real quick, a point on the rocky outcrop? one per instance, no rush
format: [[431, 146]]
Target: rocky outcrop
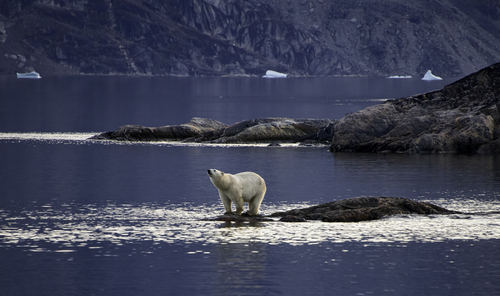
[[348, 210], [463, 117], [266, 130], [361, 209], [194, 128], [227, 37]]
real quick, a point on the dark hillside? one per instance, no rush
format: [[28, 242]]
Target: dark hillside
[[230, 37]]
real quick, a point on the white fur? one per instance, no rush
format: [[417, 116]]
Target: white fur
[[239, 188]]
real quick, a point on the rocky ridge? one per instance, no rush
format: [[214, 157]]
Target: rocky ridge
[[228, 37]]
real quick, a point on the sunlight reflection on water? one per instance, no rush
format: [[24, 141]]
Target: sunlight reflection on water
[[83, 138], [71, 226], [47, 136], [53, 227]]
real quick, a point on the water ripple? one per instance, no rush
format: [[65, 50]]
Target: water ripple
[[74, 225]]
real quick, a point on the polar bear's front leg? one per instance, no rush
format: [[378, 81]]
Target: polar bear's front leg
[[239, 203], [226, 201]]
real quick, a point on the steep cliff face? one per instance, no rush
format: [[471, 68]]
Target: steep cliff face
[[234, 37]]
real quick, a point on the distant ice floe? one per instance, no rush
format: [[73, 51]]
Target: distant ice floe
[[399, 77], [429, 76], [30, 75], [274, 74]]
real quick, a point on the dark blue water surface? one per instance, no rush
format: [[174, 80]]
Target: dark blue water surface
[[83, 104], [79, 217]]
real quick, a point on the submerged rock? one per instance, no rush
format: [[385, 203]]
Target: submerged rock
[[361, 209], [291, 218], [240, 218], [463, 117]]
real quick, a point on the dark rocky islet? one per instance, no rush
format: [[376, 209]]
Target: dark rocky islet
[[348, 210], [361, 209]]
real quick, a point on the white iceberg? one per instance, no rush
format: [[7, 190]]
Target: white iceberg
[[429, 76], [399, 77], [274, 74], [30, 75]]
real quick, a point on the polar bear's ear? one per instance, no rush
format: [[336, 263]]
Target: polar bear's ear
[[222, 173]]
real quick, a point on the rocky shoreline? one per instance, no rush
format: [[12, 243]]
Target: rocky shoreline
[[348, 210], [463, 117]]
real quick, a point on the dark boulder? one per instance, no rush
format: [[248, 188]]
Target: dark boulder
[[463, 117], [361, 209]]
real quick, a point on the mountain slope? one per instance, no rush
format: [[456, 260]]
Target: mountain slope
[[232, 37]]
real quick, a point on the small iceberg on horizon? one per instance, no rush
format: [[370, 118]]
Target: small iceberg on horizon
[[274, 74], [30, 75], [400, 77], [429, 76]]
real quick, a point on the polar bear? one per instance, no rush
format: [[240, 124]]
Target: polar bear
[[239, 188]]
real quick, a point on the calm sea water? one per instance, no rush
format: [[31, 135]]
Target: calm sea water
[[84, 104], [79, 217]]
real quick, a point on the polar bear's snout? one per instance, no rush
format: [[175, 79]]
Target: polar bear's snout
[[209, 172]]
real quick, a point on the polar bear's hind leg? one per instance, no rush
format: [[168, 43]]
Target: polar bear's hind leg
[[254, 204]]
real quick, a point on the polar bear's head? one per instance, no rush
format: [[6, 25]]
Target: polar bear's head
[[213, 173], [217, 177]]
